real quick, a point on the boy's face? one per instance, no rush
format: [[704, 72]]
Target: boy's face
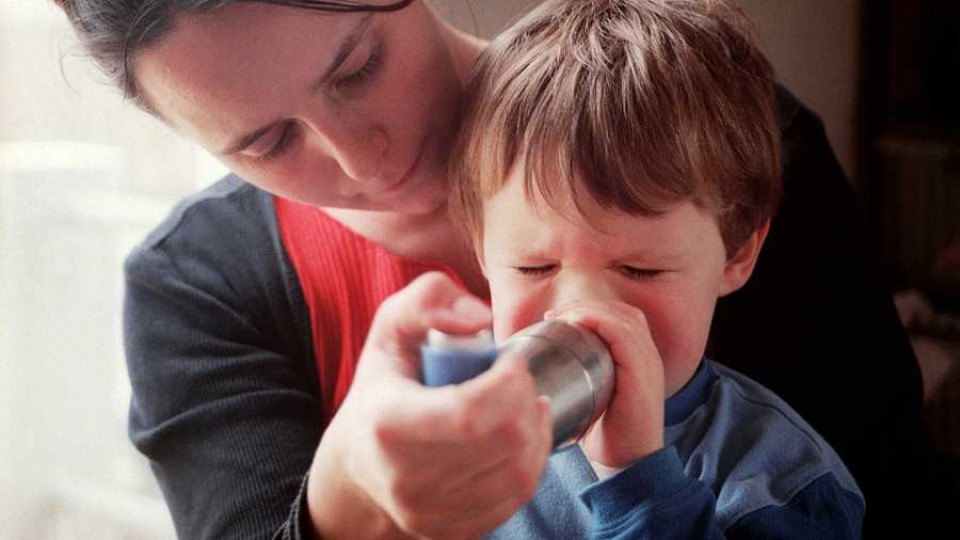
[[673, 267]]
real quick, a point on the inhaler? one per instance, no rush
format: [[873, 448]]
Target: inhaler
[[570, 365]]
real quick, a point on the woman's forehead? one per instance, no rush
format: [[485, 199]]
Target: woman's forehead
[[212, 67], [246, 32]]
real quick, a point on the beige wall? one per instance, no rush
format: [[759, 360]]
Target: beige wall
[[482, 17], [812, 43]]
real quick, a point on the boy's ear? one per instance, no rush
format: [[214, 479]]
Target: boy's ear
[[740, 266]]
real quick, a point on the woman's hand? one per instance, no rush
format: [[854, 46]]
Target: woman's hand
[[449, 462], [631, 428]]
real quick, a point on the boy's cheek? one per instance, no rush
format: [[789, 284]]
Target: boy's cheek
[[511, 319], [513, 310]]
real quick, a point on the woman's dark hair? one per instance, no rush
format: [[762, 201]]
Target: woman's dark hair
[[113, 31]]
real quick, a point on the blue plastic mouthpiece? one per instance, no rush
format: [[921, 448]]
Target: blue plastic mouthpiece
[[448, 359]]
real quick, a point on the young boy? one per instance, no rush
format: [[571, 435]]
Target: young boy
[[618, 168]]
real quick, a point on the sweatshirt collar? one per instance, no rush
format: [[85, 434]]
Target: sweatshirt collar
[[695, 393]]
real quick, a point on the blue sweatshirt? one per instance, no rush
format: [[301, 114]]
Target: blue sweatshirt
[[738, 462]]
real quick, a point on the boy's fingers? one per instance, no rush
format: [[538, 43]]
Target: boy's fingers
[[618, 324]]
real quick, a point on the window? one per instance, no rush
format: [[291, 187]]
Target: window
[[83, 178]]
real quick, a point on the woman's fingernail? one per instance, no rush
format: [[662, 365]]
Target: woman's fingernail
[[549, 314]]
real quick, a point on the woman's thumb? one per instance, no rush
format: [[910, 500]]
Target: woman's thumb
[[432, 300]]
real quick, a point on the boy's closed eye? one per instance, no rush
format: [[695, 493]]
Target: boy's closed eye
[[536, 270], [639, 273], [627, 270]]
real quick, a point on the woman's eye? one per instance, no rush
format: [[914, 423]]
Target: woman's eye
[[365, 73], [281, 146], [639, 273], [536, 270]]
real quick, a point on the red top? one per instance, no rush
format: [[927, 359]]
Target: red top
[[344, 278]]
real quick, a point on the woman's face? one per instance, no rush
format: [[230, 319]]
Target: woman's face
[[335, 110]]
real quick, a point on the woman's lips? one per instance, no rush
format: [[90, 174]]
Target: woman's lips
[[411, 173]]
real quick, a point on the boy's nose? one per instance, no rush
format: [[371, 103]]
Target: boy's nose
[[581, 284]]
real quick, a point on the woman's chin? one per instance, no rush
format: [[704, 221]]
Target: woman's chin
[[430, 198]]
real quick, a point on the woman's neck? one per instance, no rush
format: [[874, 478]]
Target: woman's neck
[[418, 237], [464, 47]]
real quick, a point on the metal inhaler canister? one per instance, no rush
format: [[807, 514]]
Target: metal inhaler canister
[[570, 365]]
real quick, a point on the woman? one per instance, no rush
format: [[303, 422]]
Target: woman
[[248, 309]]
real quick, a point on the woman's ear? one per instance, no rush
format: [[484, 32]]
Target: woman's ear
[[740, 266]]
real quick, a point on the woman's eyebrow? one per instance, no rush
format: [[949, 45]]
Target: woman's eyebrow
[[346, 47]]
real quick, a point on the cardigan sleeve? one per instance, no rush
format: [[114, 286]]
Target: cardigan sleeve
[[224, 402]]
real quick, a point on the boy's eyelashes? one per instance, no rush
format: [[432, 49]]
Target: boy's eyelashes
[[639, 273], [536, 270], [628, 271]]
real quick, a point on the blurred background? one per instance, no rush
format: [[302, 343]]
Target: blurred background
[[83, 177]]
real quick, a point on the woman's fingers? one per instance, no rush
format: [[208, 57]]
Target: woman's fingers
[[400, 325], [472, 410], [484, 499], [453, 461], [437, 461]]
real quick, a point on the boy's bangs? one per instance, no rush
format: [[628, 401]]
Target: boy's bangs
[[582, 128]]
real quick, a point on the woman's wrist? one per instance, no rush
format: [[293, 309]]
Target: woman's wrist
[[338, 506]]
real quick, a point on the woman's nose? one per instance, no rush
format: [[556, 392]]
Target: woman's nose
[[581, 284], [359, 150]]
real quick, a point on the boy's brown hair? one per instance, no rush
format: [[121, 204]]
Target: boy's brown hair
[[637, 103]]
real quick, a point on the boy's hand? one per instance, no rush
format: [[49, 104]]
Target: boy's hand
[[632, 426], [449, 462]]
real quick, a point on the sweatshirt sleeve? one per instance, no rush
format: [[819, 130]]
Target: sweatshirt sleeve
[[224, 401], [654, 498]]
